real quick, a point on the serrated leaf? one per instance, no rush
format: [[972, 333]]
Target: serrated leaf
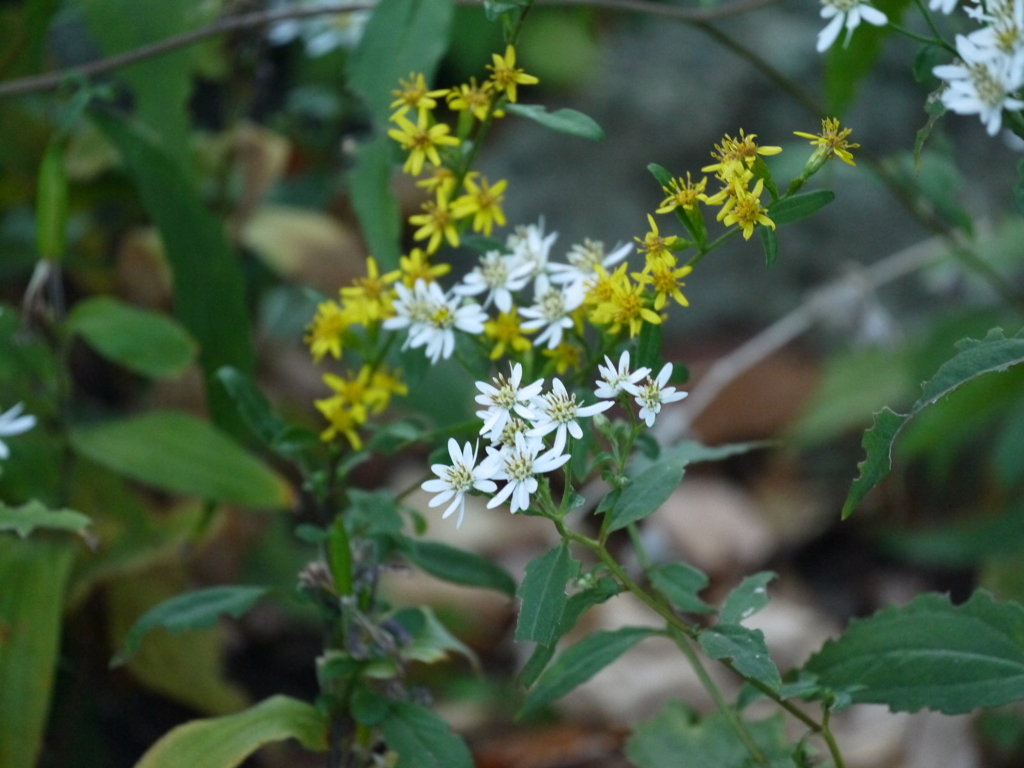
[[145, 342], [877, 443], [224, 742], [674, 737], [581, 662], [800, 206], [746, 648], [681, 583], [422, 739], [178, 453], [770, 244], [193, 610], [562, 120], [644, 493], [457, 565], [930, 653], [746, 599], [34, 574], [34, 515], [543, 595]]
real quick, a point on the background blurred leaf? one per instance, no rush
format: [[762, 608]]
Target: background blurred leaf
[[369, 184], [562, 120], [178, 453], [145, 342], [457, 565], [33, 574], [34, 515]]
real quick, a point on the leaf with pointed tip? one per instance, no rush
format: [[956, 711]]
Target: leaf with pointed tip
[[681, 583], [562, 120], [746, 599], [770, 244], [457, 565], [543, 595], [796, 207], [746, 648], [422, 739], [645, 493]]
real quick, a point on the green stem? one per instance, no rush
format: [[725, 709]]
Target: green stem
[[935, 41], [929, 19]]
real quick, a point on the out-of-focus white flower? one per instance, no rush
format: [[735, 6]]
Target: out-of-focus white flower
[[504, 397], [652, 394], [437, 332], [846, 13], [413, 309], [518, 465], [580, 274], [551, 308], [322, 33], [499, 275], [946, 6], [13, 423], [453, 482], [531, 246], [982, 83], [612, 381], [557, 412]]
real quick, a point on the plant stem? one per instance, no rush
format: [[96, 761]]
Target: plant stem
[[931, 24], [935, 41]]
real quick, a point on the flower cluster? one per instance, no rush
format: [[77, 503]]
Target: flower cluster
[[516, 421], [354, 398], [848, 14]]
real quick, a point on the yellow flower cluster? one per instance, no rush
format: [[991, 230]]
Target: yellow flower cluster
[[354, 397], [427, 140], [741, 205]]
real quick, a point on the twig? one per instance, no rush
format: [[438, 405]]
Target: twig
[[52, 80]]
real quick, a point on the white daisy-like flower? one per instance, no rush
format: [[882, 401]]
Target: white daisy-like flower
[[848, 13], [580, 274], [518, 465], [504, 397], [453, 482], [500, 275], [514, 426], [557, 411], [613, 381], [437, 334], [551, 308], [13, 423], [1003, 30], [982, 83], [321, 33], [652, 394], [531, 246], [413, 309]]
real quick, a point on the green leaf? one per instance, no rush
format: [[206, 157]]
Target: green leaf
[[369, 185], [1018, 188], [373, 512], [207, 273], [932, 654], [456, 565], [746, 648], [581, 662], [224, 742], [145, 342], [964, 544], [681, 584], [796, 207], [770, 244], [369, 707], [674, 737], [661, 175], [692, 452], [644, 493], [178, 453], [252, 406], [543, 595], [648, 348], [992, 354], [52, 204], [34, 515], [199, 609], [33, 574], [431, 640], [746, 599], [562, 120], [422, 739], [402, 36], [339, 556]]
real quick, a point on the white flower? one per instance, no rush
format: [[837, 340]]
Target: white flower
[[846, 13], [13, 423], [551, 308], [580, 273], [530, 246], [499, 275], [613, 381], [321, 33], [504, 398], [557, 410], [982, 82], [437, 333], [413, 309], [653, 393], [454, 481], [518, 464], [946, 6]]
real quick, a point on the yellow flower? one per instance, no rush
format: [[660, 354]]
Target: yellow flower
[[505, 76], [656, 246], [733, 153], [440, 178], [416, 266], [483, 203], [507, 332], [341, 419], [382, 381], [626, 306], [683, 194], [369, 299], [602, 288], [831, 141], [565, 355], [324, 332], [664, 281], [436, 222], [421, 140], [359, 392], [746, 210], [414, 95], [473, 97]]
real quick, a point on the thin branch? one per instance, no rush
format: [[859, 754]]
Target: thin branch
[[245, 21]]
